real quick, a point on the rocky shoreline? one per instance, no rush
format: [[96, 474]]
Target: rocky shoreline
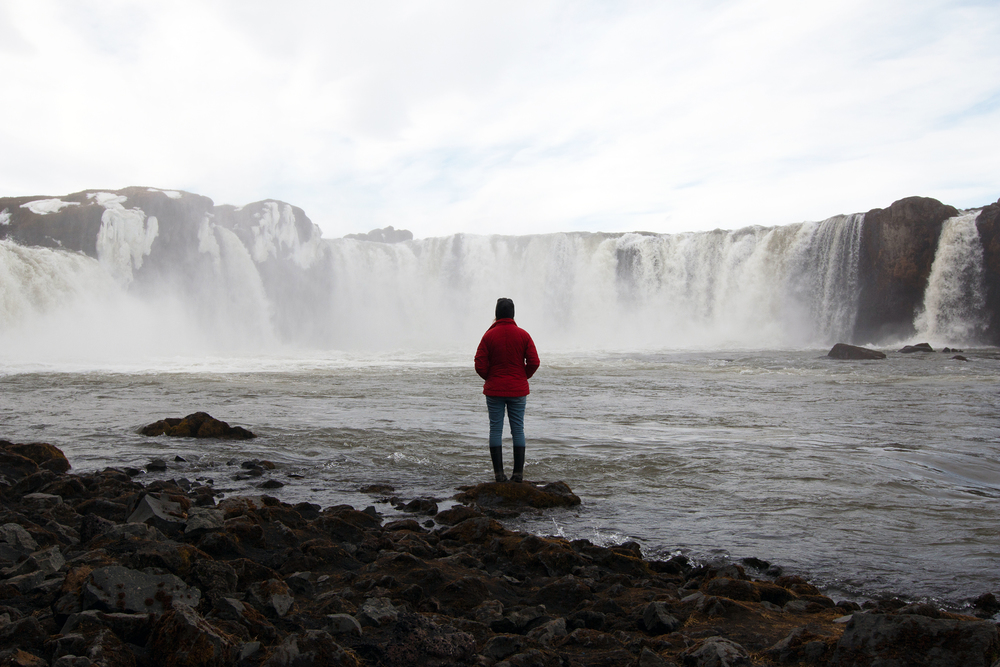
[[99, 569]]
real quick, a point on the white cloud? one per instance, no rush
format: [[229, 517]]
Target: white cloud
[[514, 117]]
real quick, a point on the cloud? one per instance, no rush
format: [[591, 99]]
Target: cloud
[[517, 117]]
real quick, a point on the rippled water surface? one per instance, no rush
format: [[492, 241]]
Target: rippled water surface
[[868, 477]]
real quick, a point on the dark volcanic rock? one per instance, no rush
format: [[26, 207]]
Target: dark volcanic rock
[[196, 425], [919, 347], [897, 249], [845, 351], [385, 235], [912, 639], [271, 583], [988, 224], [518, 496]]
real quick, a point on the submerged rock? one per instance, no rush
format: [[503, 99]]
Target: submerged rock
[[197, 425]]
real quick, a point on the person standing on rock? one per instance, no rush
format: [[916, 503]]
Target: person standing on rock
[[506, 358]]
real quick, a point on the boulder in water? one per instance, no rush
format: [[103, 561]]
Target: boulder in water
[[197, 425], [919, 347], [845, 351]]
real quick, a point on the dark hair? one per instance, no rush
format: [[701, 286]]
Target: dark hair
[[505, 308]]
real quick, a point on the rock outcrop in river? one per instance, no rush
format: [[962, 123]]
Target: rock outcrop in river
[[101, 570]]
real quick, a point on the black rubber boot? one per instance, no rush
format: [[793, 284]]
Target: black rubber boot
[[518, 474], [496, 453]]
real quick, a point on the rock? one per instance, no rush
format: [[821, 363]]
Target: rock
[[898, 245], [919, 347], [312, 648], [340, 624], [45, 456], [649, 659], [17, 538], [202, 520], [196, 425], [986, 605], [272, 596], [164, 515], [117, 588], [942, 642], [716, 652], [988, 226], [425, 506], [502, 646], [548, 633], [47, 562], [384, 235], [845, 351], [182, 638], [802, 645], [520, 496], [377, 611], [14, 466], [657, 619], [457, 514]]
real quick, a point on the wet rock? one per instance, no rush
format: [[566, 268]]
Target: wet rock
[[341, 624], [919, 347], [196, 425], [117, 588], [426, 506], [202, 520], [802, 645], [377, 611], [161, 513], [44, 455], [657, 619], [845, 351], [648, 658], [312, 648], [17, 539], [986, 605], [522, 496], [942, 642], [716, 652], [457, 514], [182, 638], [272, 596]]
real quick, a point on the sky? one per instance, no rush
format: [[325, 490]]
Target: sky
[[513, 117]]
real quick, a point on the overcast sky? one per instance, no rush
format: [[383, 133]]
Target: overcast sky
[[508, 117]]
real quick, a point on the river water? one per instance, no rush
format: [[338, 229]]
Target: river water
[[870, 478]]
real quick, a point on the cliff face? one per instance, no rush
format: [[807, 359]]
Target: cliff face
[[897, 250], [988, 224]]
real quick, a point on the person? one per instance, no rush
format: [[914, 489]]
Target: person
[[506, 358]]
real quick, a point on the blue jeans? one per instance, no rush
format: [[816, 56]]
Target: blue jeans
[[514, 406]]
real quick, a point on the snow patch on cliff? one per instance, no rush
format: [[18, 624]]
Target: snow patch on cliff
[[173, 194], [276, 234], [46, 206], [125, 238]]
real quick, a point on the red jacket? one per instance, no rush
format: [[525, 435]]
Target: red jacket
[[506, 358]]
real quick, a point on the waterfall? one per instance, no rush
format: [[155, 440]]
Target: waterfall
[[755, 287], [952, 312], [262, 279]]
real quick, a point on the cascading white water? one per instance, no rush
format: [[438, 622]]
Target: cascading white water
[[952, 312], [258, 287], [756, 287]]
